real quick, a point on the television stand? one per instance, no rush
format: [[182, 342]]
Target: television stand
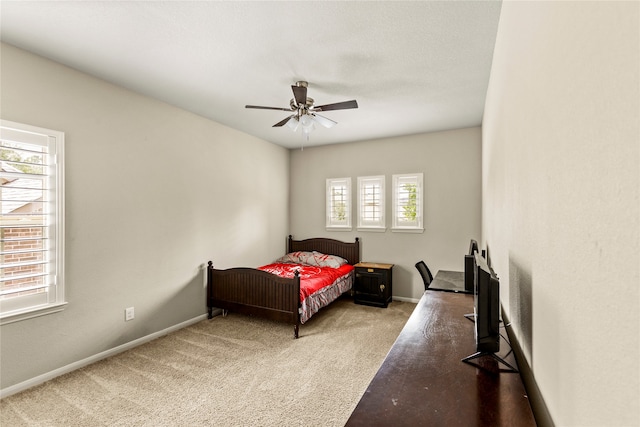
[[468, 359], [494, 356]]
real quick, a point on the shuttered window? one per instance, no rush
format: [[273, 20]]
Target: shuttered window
[[338, 204], [371, 207], [31, 221], [408, 203]]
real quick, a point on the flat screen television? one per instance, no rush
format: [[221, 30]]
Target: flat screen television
[[486, 314], [469, 266], [486, 307]]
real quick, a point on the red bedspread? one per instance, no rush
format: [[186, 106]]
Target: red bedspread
[[312, 278]]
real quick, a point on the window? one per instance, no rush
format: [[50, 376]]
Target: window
[[31, 221], [371, 203], [407, 203], [339, 204]]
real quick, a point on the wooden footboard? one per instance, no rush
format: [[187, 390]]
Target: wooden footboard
[[254, 292]]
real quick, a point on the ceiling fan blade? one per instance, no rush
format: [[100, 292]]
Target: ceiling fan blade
[[328, 123], [300, 94], [267, 108], [338, 106], [283, 122]]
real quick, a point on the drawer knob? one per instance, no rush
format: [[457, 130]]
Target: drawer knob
[[382, 287], [369, 270]]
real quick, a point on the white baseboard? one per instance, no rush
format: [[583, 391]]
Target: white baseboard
[[92, 359]]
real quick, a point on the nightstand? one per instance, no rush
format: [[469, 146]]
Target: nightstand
[[373, 284]]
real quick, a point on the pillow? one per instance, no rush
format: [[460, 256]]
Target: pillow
[[312, 258], [298, 257]]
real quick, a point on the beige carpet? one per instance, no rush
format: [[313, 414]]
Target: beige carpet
[[233, 371]]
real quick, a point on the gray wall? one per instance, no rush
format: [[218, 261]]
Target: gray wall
[[152, 193], [561, 214], [451, 164]]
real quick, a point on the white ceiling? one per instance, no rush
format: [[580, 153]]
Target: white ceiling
[[413, 67]]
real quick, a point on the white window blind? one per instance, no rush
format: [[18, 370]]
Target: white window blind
[[338, 204], [31, 221], [371, 206], [408, 203]]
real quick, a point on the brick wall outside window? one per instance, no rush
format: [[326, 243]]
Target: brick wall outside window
[[22, 243]]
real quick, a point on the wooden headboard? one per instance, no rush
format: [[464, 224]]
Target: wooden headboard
[[348, 251]]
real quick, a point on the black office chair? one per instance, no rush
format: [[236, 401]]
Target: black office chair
[[425, 273]]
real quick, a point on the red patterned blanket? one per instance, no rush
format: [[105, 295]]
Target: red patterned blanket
[[319, 286]]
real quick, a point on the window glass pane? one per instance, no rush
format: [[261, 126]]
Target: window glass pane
[[23, 223], [407, 209], [407, 200], [338, 203], [23, 158], [371, 202]]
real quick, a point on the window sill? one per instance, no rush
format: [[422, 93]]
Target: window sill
[[407, 230], [339, 228], [29, 313], [373, 229]]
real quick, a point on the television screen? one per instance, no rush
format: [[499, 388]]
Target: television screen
[[486, 307], [469, 266], [473, 247]]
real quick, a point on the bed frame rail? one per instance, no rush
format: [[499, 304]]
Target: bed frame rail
[[254, 292]]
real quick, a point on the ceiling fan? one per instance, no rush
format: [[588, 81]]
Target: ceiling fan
[[304, 112]]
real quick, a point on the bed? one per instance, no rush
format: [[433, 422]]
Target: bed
[[294, 298]]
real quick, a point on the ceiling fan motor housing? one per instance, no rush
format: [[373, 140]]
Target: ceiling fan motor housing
[[307, 106]]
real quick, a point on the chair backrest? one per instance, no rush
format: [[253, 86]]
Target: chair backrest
[[425, 273]]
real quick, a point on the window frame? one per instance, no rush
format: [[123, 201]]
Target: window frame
[[332, 223], [364, 224], [53, 299], [415, 226]]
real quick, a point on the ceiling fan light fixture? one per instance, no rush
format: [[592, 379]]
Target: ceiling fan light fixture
[[307, 122], [307, 130], [328, 123], [293, 123]]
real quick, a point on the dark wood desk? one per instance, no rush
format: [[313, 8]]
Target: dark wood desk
[[451, 281], [424, 382]]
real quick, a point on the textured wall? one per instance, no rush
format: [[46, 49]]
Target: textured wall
[[152, 193], [561, 213]]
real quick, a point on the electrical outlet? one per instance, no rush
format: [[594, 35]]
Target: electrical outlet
[[129, 314]]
